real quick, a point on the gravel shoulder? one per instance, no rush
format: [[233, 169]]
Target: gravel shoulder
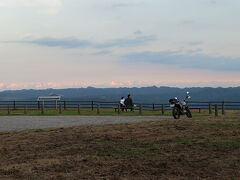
[[17, 123]]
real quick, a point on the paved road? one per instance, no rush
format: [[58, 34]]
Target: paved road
[[13, 123]]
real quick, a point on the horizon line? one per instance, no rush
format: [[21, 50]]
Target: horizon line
[[119, 88]]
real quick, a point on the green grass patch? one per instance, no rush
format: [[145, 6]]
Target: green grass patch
[[90, 112]]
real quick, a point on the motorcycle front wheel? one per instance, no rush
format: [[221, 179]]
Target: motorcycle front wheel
[[188, 113], [176, 113]]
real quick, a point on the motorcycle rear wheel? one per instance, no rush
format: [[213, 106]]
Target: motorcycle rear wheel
[[176, 113], [188, 113]]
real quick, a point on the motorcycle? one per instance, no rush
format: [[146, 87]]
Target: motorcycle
[[180, 107]]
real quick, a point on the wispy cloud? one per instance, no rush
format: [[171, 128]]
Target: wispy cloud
[[194, 43], [73, 42], [122, 5], [194, 51], [185, 60], [48, 6], [127, 42], [118, 5], [104, 52], [59, 42], [138, 32]]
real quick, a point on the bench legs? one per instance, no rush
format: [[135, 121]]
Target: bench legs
[[124, 108]]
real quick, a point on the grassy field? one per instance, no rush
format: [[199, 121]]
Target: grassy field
[[89, 112], [200, 148]]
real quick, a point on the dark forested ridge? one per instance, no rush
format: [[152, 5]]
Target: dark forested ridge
[[144, 94]]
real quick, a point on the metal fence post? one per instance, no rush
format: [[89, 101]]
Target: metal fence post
[[216, 110], [118, 108], [56, 106], [210, 108], [223, 108], [14, 105], [60, 108], [98, 109], [163, 108], [140, 109], [79, 109], [153, 107], [25, 109], [9, 111], [42, 108], [92, 105], [65, 104]]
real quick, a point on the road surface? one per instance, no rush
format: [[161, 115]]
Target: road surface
[[17, 123]]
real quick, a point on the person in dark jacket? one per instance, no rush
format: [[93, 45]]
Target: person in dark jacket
[[129, 102]]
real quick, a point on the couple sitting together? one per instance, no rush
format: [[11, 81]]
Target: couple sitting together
[[126, 103]]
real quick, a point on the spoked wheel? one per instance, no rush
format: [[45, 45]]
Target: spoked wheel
[[176, 113], [188, 113]]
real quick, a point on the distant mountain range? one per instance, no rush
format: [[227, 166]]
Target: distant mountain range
[[143, 95]]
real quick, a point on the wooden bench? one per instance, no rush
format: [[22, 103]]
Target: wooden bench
[[123, 108], [199, 109]]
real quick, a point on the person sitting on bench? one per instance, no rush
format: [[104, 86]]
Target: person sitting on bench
[[122, 105], [128, 102]]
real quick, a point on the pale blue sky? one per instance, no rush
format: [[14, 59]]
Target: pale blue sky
[[111, 43]]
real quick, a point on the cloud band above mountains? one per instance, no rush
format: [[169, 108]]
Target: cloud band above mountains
[[78, 43], [184, 60]]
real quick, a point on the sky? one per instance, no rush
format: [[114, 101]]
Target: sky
[[119, 43]]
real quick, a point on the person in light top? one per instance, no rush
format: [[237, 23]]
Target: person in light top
[[122, 105], [122, 101]]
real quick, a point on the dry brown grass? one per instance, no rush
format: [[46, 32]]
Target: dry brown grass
[[198, 148]]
